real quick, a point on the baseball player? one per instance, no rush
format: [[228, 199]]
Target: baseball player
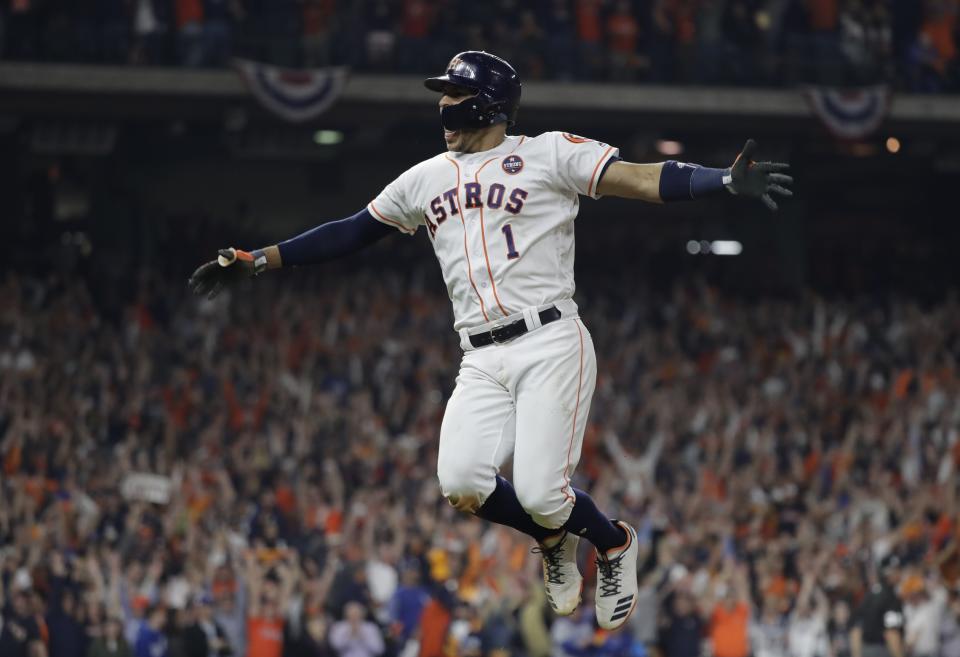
[[499, 211]]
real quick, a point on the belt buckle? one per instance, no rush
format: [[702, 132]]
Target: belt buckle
[[496, 332]]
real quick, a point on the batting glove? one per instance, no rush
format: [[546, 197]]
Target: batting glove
[[758, 179], [232, 265]]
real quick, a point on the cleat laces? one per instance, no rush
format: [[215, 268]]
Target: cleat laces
[[610, 575], [551, 562]]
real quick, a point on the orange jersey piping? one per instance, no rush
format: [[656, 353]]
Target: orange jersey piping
[[573, 429], [389, 220], [465, 251], [595, 169], [483, 236]]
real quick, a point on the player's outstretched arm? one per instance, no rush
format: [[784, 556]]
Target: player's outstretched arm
[[680, 181], [325, 242]]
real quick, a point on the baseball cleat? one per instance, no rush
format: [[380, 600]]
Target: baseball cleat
[[617, 581], [561, 577]]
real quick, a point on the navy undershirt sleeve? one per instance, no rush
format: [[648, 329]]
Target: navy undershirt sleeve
[[606, 165], [333, 240]]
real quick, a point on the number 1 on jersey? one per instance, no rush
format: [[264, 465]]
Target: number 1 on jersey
[[511, 247]]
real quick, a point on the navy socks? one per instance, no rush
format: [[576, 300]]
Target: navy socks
[[503, 508], [586, 520]]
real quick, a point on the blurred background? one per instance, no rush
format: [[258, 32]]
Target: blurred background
[[778, 402]]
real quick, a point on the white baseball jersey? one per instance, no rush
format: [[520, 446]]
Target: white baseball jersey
[[501, 221]]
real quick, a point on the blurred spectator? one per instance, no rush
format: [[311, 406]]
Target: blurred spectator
[[838, 630], [866, 38], [204, 637], [711, 42], [218, 17], [730, 616], [407, 604], [149, 30], [682, 627], [623, 33], [878, 625], [151, 637], [560, 31], [741, 28], [189, 16], [319, 25], [924, 603], [534, 626], [768, 631], [934, 53], [590, 32], [381, 36], [20, 635], [530, 40], [807, 625], [661, 41], [416, 27], [269, 574], [813, 46], [950, 626], [229, 598], [111, 643], [906, 17], [63, 618], [355, 637], [684, 17]]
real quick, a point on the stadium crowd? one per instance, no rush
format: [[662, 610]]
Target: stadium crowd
[[910, 43], [254, 476]]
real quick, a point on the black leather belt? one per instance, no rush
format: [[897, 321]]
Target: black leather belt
[[513, 329]]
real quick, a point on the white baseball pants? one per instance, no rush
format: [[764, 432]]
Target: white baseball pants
[[530, 398]]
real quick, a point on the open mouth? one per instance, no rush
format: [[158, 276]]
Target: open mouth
[[450, 134]]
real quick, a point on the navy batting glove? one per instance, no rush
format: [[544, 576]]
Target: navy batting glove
[[231, 266], [758, 179]]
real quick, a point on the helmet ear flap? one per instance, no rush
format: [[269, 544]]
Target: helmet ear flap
[[501, 112], [493, 112]]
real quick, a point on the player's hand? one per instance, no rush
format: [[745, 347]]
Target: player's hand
[[758, 179], [231, 266]]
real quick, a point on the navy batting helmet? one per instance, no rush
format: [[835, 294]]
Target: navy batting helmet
[[495, 83]]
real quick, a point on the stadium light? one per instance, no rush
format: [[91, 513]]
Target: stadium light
[[667, 147], [716, 247], [726, 247], [327, 137]]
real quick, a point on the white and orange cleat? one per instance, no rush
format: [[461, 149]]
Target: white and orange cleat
[[617, 581], [561, 576]]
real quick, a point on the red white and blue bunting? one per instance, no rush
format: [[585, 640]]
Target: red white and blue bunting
[[296, 95], [850, 113]]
